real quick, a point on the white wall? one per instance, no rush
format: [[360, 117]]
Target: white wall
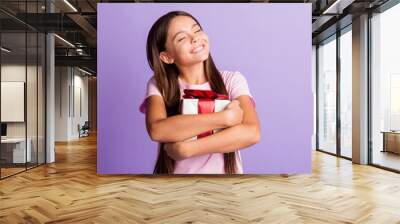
[[62, 81], [71, 92], [79, 111]]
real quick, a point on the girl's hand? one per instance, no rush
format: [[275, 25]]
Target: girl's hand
[[177, 150], [233, 113]]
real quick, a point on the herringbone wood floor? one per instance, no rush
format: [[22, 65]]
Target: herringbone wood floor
[[70, 191]]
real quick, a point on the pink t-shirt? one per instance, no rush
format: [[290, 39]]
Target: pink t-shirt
[[213, 163]]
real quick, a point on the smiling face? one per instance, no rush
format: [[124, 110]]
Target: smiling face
[[186, 43]]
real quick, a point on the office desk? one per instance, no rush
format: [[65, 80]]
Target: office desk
[[391, 141], [13, 150]]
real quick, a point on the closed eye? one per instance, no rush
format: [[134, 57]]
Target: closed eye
[[198, 31]]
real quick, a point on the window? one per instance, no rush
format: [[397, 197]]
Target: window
[[327, 95], [346, 92], [385, 88]]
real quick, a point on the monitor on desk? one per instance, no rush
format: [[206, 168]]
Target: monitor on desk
[[3, 130]]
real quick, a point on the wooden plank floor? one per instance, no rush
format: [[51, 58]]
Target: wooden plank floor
[[70, 191]]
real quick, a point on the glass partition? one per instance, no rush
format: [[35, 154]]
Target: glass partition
[[14, 153], [22, 89]]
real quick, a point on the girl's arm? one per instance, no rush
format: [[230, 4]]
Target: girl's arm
[[181, 127], [228, 140]]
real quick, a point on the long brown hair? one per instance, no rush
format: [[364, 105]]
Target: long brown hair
[[166, 76]]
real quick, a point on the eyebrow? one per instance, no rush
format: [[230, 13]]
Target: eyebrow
[[173, 38]]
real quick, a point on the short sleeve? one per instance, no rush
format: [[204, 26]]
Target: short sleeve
[[151, 89], [238, 86]]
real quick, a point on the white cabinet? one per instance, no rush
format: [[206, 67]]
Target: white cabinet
[[17, 146]]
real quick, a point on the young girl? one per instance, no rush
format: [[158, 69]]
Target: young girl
[[178, 53]]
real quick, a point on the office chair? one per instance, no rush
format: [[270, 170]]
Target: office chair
[[84, 130]]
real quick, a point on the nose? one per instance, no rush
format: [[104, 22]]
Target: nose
[[195, 39]]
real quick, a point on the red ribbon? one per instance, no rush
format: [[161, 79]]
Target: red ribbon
[[206, 102], [203, 94]]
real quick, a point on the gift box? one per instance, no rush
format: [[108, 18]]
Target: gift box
[[201, 102]]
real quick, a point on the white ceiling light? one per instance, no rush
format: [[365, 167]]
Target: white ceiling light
[[5, 50], [70, 5], [86, 72], [338, 6], [65, 41], [79, 51]]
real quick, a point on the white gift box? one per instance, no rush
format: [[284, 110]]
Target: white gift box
[[191, 106]]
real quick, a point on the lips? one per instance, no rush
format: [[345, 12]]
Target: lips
[[198, 49]]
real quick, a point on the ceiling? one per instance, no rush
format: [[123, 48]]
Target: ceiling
[[76, 22]]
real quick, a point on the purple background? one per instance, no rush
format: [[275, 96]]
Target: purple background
[[270, 44]]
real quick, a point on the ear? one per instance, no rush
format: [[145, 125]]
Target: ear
[[166, 58]]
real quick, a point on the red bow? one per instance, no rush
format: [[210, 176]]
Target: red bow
[[203, 94]]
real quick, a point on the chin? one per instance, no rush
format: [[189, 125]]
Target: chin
[[191, 59], [202, 60], [204, 56], [198, 59]]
